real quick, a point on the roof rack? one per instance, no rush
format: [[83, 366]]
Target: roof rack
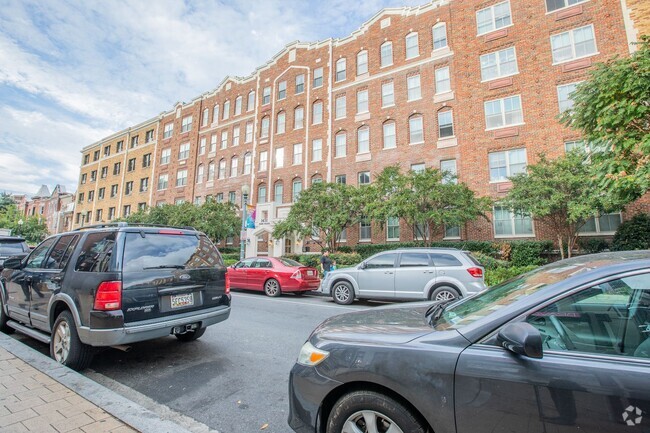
[[125, 224]]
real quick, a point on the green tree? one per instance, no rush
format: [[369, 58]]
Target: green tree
[[321, 213], [5, 201], [560, 194], [33, 228], [426, 201], [612, 110]]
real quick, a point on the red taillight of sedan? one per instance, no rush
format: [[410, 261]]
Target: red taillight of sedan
[[298, 275], [475, 272]]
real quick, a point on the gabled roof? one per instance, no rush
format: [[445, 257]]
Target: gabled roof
[[43, 191]]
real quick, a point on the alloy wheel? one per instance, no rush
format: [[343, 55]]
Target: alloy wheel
[[342, 293], [271, 287], [445, 295], [62, 342], [370, 421]]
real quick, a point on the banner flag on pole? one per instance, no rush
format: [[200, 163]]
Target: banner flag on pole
[[250, 221]]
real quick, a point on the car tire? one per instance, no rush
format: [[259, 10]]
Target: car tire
[[272, 288], [444, 294], [343, 293], [4, 319], [351, 413], [191, 335], [65, 346]]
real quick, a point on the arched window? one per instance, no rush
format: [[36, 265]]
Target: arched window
[[362, 62], [412, 45], [297, 189], [238, 104], [226, 110], [298, 117], [250, 106], [341, 144], [439, 36], [390, 135], [248, 161], [222, 169], [317, 112], [261, 193], [280, 123], [234, 166], [317, 178], [340, 69], [211, 171], [386, 53], [416, 129], [199, 174], [278, 192], [363, 139], [264, 130]]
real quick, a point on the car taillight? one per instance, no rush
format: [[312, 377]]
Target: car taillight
[[227, 283], [170, 232], [475, 272], [297, 275], [108, 296]]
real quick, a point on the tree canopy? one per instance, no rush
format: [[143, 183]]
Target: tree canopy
[[33, 228]]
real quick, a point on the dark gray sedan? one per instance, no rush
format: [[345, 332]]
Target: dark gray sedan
[[564, 348]]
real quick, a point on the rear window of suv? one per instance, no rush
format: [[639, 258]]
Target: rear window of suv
[[160, 251], [8, 248]]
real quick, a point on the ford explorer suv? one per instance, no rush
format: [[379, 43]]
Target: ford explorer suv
[[440, 274], [112, 285]]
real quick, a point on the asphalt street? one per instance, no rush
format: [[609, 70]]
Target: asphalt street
[[234, 379]]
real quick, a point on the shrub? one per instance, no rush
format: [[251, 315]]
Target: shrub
[[501, 274], [229, 250], [346, 259], [633, 234], [593, 245], [485, 247], [229, 262], [230, 256], [526, 253], [345, 249], [489, 262]]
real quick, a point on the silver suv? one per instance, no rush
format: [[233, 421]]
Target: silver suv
[[440, 274]]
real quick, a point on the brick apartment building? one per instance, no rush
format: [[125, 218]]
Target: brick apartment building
[[472, 87], [55, 209]]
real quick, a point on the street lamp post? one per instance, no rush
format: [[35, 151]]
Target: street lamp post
[[20, 226], [242, 235]]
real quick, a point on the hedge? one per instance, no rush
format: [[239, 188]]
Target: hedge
[[501, 274], [633, 234], [313, 260], [485, 247], [526, 253]]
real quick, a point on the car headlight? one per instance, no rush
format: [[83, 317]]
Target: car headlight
[[311, 356]]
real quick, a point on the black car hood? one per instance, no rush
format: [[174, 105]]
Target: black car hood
[[393, 325]]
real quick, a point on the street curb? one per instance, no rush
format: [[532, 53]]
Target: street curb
[[120, 407]]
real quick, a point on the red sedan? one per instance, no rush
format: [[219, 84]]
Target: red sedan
[[273, 275]]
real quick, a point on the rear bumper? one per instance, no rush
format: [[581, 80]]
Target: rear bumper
[[150, 329], [300, 285]]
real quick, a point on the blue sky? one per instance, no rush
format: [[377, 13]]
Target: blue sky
[[73, 72]]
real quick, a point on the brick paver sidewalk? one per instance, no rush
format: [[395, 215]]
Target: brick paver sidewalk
[[31, 401]]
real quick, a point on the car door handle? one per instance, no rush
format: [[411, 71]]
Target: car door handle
[[388, 272]]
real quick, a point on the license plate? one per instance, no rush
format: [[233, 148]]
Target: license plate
[[311, 273], [179, 301]]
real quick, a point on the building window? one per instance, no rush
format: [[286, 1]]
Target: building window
[[317, 112], [101, 193], [261, 194], [510, 224], [363, 139], [163, 181], [390, 141], [250, 105], [115, 187], [117, 168], [363, 178], [263, 160], [186, 124], [316, 179], [111, 213], [297, 189], [493, 18], [340, 107], [127, 211], [265, 127], [317, 150], [219, 197], [211, 172], [226, 110], [86, 161], [362, 101], [439, 36], [606, 224], [134, 141], [418, 168], [221, 174], [278, 192], [234, 166], [564, 93], [499, 64], [341, 145], [340, 179], [300, 83], [128, 188], [96, 155], [412, 46], [249, 132], [91, 196], [445, 124], [215, 114], [413, 84], [279, 158], [443, 81], [386, 53], [362, 62], [365, 230], [282, 90], [213, 143], [577, 144], [392, 229], [107, 151], [416, 131], [298, 117], [120, 144], [297, 154], [235, 136], [452, 232], [205, 118], [199, 173], [80, 197], [93, 174], [506, 164], [184, 151], [266, 96], [248, 163], [238, 103], [553, 5], [104, 172], [181, 178], [448, 170], [340, 69], [130, 166], [503, 112], [224, 139], [202, 145], [318, 77], [573, 44], [387, 94], [232, 198]]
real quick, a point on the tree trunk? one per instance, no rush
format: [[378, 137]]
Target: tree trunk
[[559, 239]]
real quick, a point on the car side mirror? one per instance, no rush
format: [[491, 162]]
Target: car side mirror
[[362, 265], [521, 338], [13, 263]]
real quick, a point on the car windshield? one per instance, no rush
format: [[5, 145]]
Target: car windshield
[[158, 251], [289, 262], [10, 248]]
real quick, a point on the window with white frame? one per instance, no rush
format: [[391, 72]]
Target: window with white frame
[[386, 53], [605, 224], [197, 200], [503, 112], [499, 64], [493, 18], [264, 156], [416, 130], [266, 95], [278, 192], [297, 154], [219, 197], [340, 106], [564, 96], [363, 139], [250, 105], [418, 168], [510, 224], [387, 94], [232, 198], [213, 143], [343, 236], [439, 36], [390, 139], [340, 178], [249, 132], [168, 130], [202, 144], [553, 5], [317, 150], [222, 169], [363, 178], [224, 139], [506, 164], [445, 124], [297, 189], [282, 90], [298, 118], [186, 124], [452, 232], [200, 173], [318, 77], [340, 69], [573, 44], [238, 104], [300, 83], [317, 113], [261, 194], [226, 110], [316, 179], [362, 101], [413, 86], [362, 62], [280, 123], [234, 166], [264, 130], [340, 148], [184, 151], [248, 162], [215, 114], [579, 145], [181, 178], [448, 170], [392, 229], [210, 171], [235, 136], [163, 181], [365, 230], [279, 157], [165, 156], [206, 117], [443, 80], [412, 45]]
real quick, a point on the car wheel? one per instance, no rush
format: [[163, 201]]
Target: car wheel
[[191, 335], [444, 294], [272, 288], [65, 346], [343, 293], [371, 412], [4, 319]]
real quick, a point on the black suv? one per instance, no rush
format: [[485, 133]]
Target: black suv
[[12, 246], [112, 285]]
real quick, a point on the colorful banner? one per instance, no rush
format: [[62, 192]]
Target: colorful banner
[[250, 220]]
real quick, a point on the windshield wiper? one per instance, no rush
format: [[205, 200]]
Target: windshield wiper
[[435, 311], [165, 267]]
